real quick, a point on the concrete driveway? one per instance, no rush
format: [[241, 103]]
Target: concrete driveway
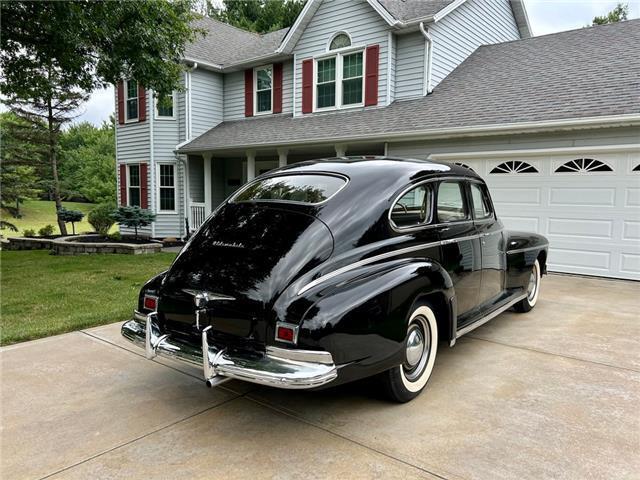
[[551, 394]]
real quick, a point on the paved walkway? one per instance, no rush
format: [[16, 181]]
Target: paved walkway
[[551, 394]]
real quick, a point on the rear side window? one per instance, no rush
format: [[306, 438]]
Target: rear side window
[[451, 206], [309, 189], [413, 208], [481, 205]]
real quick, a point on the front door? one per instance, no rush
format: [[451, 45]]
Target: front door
[[460, 246]]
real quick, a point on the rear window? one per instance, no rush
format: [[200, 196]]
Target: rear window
[[292, 188]]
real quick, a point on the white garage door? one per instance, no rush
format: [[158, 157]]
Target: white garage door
[[587, 205]]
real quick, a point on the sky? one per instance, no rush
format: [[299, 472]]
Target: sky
[[545, 16]]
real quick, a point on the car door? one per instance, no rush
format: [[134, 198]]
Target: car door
[[491, 235], [459, 244]]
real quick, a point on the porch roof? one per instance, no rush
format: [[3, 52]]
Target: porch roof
[[589, 74]]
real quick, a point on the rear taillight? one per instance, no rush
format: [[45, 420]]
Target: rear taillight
[[286, 332], [150, 302]]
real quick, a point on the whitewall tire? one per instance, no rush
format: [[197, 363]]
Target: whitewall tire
[[532, 290]]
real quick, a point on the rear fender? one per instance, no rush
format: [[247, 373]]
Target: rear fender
[[522, 250]]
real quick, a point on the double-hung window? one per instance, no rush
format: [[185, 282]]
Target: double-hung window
[[165, 106], [340, 80], [263, 78], [167, 187], [133, 185], [131, 100]]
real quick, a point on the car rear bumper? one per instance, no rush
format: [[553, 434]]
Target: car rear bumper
[[277, 367]]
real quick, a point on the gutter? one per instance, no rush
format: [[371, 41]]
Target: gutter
[[449, 132], [428, 56]]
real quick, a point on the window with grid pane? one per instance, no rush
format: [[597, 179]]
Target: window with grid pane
[[326, 83], [134, 185], [167, 188], [352, 79], [341, 40], [132, 100], [264, 77]]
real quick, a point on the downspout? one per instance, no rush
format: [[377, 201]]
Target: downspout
[[428, 54], [152, 170], [185, 164]]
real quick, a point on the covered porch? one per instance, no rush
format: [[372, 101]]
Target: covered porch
[[214, 175]]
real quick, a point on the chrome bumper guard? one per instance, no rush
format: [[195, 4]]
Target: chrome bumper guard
[[278, 367]]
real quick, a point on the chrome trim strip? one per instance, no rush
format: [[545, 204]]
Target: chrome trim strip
[[318, 356], [211, 296], [488, 317], [520, 250]]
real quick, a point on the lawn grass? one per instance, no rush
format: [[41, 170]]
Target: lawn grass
[[39, 213], [43, 294]]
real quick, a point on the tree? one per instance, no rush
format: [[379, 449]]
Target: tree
[[69, 216], [135, 217], [618, 14], [54, 53], [259, 16]]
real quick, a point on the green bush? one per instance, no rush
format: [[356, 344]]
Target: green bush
[[29, 232], [135, 217], [46, 231], [101, 218], [70, 216], [117, 236]]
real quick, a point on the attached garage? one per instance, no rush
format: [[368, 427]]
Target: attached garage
[[586, 202]]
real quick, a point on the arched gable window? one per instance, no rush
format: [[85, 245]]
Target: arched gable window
[[514, 167], [460, 164], [583, 165], [341, 40], [636, 168]]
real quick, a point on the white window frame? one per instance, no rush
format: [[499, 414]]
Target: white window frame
[[339, 54], [126, 101], [341, 32], [255, 89], [129, 186], [165, 117], [175, 188]]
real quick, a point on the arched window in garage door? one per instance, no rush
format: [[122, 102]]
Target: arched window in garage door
[[514, 167], [583, 165], [636, 168], [460, 164]]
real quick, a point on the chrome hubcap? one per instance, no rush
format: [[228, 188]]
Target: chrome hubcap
[[533, 284], [418, 345], [415, 346]]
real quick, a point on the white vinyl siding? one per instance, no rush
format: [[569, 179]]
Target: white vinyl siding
[[206, 101], [409, 79]]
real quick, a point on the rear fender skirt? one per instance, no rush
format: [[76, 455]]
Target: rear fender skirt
[[363, 318]]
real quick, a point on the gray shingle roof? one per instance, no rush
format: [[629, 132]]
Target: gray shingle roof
[[405, 10], [589, 72], [224, 44]]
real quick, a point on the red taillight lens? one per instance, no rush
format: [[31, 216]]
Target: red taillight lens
[[285, 334], [150, 303]]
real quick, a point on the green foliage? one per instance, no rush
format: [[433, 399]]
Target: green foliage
[[29, 232], [135, 217], [46, 231], [35, 214], [259, 16], [116, 236], [8, 226], [618, 14], [101, 218], [88, 162], [70, 216]]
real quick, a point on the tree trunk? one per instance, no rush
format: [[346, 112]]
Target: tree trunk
[[54, 168]]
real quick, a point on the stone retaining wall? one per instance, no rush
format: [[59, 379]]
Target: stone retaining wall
[[71, 246]]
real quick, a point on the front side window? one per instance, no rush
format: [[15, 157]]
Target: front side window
[[309, 189], [413, 208], [167, 188], [131, 100], [263, 78], [164, 106], [481, 205], [451, 207], [133, 185], [326, 83]]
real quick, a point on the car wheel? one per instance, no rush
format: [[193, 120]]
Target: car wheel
[[406, 381], [533, 290]]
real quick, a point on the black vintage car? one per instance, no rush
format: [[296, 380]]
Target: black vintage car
[[329, 271]]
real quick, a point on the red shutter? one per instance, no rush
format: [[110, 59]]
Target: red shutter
[[142, 104], [307, 86], [144, 186], [371, 76], [120, 90], [123, 185], [277, 88], [248, 92]]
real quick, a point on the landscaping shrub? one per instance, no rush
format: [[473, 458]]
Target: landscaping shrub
[[70, 216], [46, 231], [135, 217], [101, 218], [117, 236], [29, 232]]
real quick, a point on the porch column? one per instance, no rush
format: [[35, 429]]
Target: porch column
[[282, 156], [208, 207], [251, 165], [341, 150]]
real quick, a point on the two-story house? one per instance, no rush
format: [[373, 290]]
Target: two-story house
[[550, 122]]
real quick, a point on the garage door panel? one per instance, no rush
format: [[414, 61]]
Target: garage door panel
[[630, 263], [632, 197], [519, 196], [580, 228], [585, 259], [527, 224], [631, 230], [592, 197]]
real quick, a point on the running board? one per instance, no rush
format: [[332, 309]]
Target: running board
[[485, 319]]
